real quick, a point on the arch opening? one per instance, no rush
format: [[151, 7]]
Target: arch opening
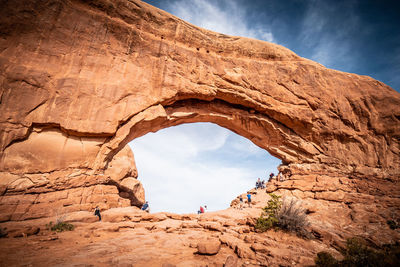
[[263, 130], [195, 164]]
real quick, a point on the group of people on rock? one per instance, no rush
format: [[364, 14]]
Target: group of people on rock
[[282, 176], [241, 202], [260, 184]]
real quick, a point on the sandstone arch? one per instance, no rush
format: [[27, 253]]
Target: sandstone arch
[[80, 79]]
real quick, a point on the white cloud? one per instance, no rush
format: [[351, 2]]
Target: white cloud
[[185, 141], [244, 146], [225, 16], [179, 181]]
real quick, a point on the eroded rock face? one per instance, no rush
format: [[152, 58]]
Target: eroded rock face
[[81, 79], [69, 189]]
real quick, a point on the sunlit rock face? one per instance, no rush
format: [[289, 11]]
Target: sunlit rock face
[[80, 79]]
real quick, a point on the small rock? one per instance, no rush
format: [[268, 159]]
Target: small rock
[[248, 239], [244, 251], [51, 238], [209, 247], [156, 217], [230, 261], [259, 248], [171, 229], [214, 226]]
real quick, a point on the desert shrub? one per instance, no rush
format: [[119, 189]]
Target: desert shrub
[[268, 218], [325, 259], [393, 224], [60, 226], [394, 221], [292, 217], [358, 254]]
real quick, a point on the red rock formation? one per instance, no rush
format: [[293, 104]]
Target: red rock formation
[[80, 79]]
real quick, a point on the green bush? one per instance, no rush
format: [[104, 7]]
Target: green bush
[[60, 226], [268, 218], [358, 254]]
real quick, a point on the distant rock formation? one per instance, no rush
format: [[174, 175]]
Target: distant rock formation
[[81, 79]]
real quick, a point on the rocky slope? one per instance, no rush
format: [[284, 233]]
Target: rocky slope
[[130, 237]]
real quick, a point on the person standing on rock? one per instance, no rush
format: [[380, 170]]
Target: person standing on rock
[[97, 212], [146, 207], [240, 203], [201, 209], [249, 199], [271, 176]]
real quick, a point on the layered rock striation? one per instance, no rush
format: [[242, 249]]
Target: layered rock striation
[[80, 79]]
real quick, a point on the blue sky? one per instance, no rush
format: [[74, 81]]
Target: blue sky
[[190, 165]]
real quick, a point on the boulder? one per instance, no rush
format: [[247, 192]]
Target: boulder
[[209, 247]]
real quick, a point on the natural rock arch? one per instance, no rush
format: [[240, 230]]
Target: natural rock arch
[[79, 80]]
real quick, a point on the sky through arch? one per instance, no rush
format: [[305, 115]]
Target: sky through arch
[[185, 166]]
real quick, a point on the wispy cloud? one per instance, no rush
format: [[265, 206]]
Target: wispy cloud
[[226, 16], [190, 165], [328, 31]]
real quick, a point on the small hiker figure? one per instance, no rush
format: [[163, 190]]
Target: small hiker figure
[[271, 176], [249, 199], [240, 203], [263, 184], [202, 210], [146, 207], [97, 212]]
